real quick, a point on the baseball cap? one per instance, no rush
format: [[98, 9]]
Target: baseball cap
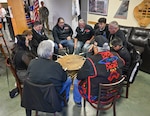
[[100, 40]]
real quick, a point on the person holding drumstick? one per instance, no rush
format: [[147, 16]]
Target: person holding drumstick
[[43, 70], [84, 37], [62, 34], [103, 67]]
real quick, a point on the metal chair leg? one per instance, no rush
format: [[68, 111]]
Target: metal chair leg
[[114, 108], [55, 114], [28, 112], [36, 113], [84, 103], [127, 89]]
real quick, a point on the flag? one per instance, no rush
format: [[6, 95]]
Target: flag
[[36, 10]]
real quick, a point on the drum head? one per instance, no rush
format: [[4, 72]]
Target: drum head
[[71, 62]]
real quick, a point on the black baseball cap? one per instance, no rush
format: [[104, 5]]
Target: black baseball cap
[[100, 40]]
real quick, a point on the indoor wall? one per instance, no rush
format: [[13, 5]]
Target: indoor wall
[[59, 8], [112, 9]]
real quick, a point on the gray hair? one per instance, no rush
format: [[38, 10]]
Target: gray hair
[[45, 49], [114, 24]]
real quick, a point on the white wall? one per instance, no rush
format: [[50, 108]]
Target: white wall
[[59, 8], [112, 9], [3, 1]]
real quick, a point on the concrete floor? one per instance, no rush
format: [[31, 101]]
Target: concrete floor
[[138, 103]]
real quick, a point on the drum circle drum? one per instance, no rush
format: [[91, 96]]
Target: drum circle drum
[[71, 62]]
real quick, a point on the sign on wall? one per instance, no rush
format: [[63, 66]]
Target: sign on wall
[[98, 7], [122, 12], [142, 13]]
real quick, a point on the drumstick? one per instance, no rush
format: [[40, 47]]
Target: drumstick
[[73, 53], [65, 69], [81, 53], [58, 55], [66, 54]]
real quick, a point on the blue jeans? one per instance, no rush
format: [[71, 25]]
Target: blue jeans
[[66, 43], [76, 95], [82, 47], [66, 87]]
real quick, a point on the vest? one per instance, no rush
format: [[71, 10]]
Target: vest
[[107, 69]]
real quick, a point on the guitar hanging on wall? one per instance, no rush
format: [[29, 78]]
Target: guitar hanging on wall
[[142, 13]]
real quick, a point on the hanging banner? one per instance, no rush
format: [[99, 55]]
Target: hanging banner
[[122, 12], [75, 14]]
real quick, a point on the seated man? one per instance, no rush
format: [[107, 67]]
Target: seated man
[[83, 38], [38, 35], [114, 31], [62, 34], [44, 70], [103, 67], [102, 28], [118, 47]]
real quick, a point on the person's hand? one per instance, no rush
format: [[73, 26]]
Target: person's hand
[[88, 42], [68, 38], [60, 46], [91, 48]]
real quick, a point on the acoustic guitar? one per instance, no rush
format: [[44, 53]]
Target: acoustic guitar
[[142, 13]]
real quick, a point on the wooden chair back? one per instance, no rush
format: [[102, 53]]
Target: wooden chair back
[[108, 94], [12, 69]]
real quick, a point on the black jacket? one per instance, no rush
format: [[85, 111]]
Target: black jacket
[[124, 54], [21, 58], [105, 67], [39, 37], [120, 34], [61, 33], [84, 35], [45, 71], [40, 97], [18, 62], [36, 39], [104, 32]]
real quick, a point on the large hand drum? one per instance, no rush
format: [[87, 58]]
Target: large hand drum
[[71, 62]]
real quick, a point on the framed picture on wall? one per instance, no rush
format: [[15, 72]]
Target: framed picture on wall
[[98, 7]]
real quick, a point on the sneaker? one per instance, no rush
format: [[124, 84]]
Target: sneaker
[[78, 104]]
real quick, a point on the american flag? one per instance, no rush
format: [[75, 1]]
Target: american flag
[[36, 10]]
